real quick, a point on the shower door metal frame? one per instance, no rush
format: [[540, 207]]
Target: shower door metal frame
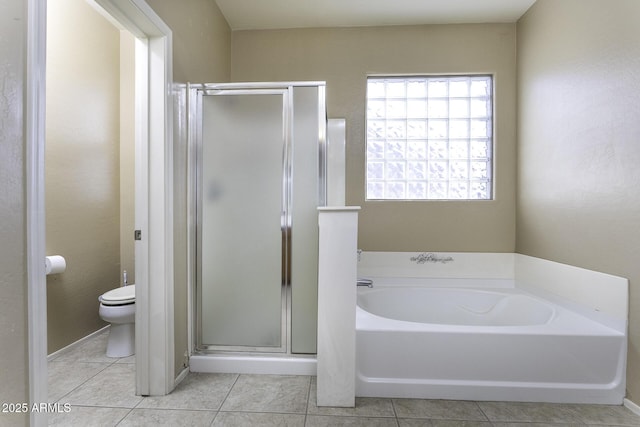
[[196, 92]]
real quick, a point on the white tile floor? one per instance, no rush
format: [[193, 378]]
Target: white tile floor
[[100, 392]]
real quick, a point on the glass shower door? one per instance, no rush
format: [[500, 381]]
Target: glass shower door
[[243, 219]]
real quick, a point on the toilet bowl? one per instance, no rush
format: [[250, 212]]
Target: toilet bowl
[[118, 307]]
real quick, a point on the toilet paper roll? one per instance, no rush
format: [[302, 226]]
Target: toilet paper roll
[[55, 264]]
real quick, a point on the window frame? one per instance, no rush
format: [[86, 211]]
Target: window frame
[[489, 140]]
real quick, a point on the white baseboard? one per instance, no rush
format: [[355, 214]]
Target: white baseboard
[[633, 407], [75, 344], [183, 374]]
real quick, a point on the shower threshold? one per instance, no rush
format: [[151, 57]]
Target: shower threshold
[[243, 363]]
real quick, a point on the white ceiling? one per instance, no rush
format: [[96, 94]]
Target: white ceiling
[[273, 14]]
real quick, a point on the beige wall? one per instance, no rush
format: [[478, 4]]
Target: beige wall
[[14, 375], [579, 142], [82, 167], [201, 39], [343, 57], [201, 54], [127, 154]]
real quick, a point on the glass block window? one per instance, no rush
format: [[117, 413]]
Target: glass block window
[[429, 138]]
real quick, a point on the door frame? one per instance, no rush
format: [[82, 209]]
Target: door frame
[[154, 197], [34, 118]]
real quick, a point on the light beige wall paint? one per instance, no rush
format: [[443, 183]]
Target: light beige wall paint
[[127, 154], [579, 142], [82, 167], [201, 39], [14, 375], [201, 54], [343, 57]]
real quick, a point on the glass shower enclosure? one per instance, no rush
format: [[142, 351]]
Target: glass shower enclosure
[[259, 169]]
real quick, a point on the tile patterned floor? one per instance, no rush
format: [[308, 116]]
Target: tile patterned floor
[[101, 392]]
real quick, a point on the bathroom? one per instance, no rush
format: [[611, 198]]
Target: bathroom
[[565, 191], [89, 165]]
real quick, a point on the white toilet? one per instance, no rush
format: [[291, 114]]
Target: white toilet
[[118, 307]]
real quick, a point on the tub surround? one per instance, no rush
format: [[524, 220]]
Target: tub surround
[[603, 295], [462, 265], [577, 356], [598, 295]]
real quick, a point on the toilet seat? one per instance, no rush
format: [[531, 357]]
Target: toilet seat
[[120, 296]]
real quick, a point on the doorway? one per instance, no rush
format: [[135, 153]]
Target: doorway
[[154, 208], [89, 165]]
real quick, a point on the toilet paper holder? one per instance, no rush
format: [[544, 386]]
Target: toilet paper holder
[[54, 264]]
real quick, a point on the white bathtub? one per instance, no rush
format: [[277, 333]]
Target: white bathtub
[[482, 340]]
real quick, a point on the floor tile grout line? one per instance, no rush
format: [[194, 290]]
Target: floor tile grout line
[[226, 396], [97, 405], [86, 405], [395, 413], [353, 415], [143, 398], [306, 413], [245, 411], [82, 383], [484, 414], [124, 418], [91, 362], [156, 409], [108, 407], [373, 416]]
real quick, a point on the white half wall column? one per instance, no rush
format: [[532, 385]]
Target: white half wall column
[[337, 276]]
